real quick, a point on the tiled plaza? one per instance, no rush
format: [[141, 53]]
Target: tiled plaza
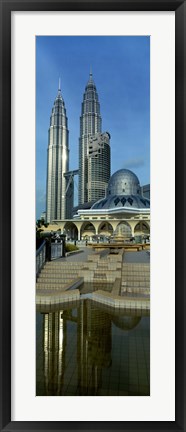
[[86, 347]]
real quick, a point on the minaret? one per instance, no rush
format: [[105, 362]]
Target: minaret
[[58, 161], [90, 124]]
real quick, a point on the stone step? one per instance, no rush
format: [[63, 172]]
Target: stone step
[[135, 284], [54, 280], [62, 264], [59, 272], [135, 278], [99, 275], [43, 298], [135, 274], [50, 272], [138, 290], [103, 267], [50, 286], [137, 269], [136, 264], [100, 270]]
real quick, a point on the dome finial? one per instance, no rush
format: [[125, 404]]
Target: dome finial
[[59, 85], [90, 71]]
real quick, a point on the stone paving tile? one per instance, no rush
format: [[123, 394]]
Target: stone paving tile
[[79, 257], [136, 257]]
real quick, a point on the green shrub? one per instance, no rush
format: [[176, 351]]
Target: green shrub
[[70, 247]]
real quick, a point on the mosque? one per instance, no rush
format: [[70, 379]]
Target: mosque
[[123, 213]]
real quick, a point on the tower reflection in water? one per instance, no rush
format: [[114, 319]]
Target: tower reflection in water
[[54, 341], [94, 347], [84, 350]]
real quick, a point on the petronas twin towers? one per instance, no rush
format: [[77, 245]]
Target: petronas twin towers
[[94, 156]]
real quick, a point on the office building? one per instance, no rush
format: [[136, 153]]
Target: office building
[[98, 166], [58, 163], [89, 164], [145, 191]]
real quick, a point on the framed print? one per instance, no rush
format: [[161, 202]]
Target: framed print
[[106, 369]]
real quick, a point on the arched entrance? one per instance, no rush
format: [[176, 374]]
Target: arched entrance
[[87, 231], [123, 230], [71, 231], [142, 228], [105, 231]]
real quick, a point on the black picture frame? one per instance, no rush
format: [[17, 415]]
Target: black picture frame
[[6, 7]]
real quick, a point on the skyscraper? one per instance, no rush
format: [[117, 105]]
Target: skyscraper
[[90, 124], [57, 162], [98, 165]]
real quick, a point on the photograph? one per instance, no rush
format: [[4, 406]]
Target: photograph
[[92, 195], [92, 215]]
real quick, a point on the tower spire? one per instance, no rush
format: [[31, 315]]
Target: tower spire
[[59, 85], [90, 81]]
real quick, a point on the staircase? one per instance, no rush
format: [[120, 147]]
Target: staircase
[[135, 278], [58, 282], [56, 275]]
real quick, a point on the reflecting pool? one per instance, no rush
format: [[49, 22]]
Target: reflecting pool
[[87, 349]]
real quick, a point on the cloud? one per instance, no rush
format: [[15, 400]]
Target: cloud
[[134, 163]]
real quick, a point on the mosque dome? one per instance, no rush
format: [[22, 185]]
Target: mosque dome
[[123, 192], [125, 201], [126, 322], [123, 182]]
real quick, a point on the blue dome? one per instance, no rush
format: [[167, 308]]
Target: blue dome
[[123, 192], [123, 182]]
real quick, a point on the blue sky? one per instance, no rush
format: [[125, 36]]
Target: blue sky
[[121, 71]]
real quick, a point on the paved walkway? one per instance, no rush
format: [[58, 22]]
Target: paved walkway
[[78, 256], [137, 257], [129, 257]]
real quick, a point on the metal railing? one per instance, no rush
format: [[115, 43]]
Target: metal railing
[[56, 250], [48, 251], [40, 257]]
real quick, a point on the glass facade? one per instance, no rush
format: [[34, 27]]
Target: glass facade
[[92, 169], [145, 191], [57, 163], [98, 166]]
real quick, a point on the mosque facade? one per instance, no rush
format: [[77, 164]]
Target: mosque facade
[[123, 212]]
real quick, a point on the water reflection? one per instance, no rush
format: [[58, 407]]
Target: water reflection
[[94, 344], [88, 350], [54, 342]]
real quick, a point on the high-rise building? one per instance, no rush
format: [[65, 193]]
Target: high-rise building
[[98, 165], [90, 124], [58, 163], [145, 191]]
